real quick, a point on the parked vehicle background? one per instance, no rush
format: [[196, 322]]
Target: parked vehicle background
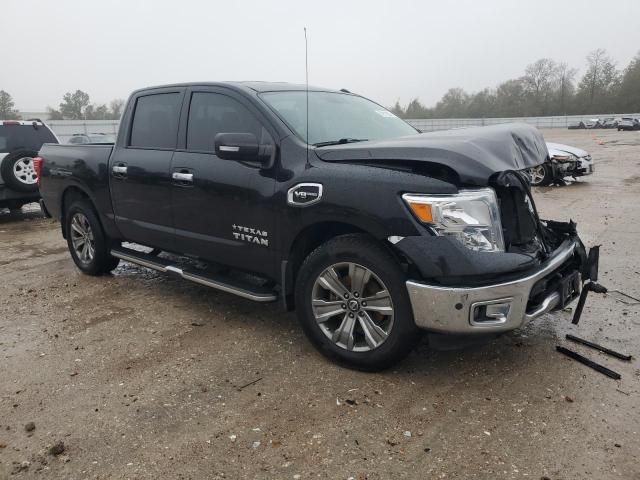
[[19, 144], [628, 123], [84, 138]]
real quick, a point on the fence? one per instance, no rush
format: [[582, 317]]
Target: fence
[[429, 125], [64, 129]]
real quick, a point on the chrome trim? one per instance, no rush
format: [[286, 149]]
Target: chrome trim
[[256, 297], [138, 261], [547, 305], [183, 177], [119, 169], [228, 148], [241, 292], [449, 309], [291, 201], [497, 320]]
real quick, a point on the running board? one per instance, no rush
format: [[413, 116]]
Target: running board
[[219, 282]]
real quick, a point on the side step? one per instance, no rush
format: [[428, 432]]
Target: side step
[[219, 282]]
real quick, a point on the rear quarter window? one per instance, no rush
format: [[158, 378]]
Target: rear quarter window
[[16, 137], [155, 121]]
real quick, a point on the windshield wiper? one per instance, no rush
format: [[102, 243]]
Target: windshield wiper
[[342, 141]]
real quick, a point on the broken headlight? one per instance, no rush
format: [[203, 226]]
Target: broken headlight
[[471, 216], [567, 157]]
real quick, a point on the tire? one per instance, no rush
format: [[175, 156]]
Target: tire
[[541, 175], [392, 334], [88, 244], [18, 171], [14, 205]]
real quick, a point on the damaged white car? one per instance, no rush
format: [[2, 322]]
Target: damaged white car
[[564, 161]]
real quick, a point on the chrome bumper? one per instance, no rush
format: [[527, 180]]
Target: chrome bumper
[[452, 309]]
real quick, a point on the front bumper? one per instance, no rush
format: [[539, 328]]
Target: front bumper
[[581, 167], [503, 306]]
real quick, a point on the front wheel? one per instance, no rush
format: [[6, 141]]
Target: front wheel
[[540, 175], [88, 244], [352, 303]]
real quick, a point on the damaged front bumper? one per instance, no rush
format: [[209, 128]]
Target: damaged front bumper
[[504, 305]]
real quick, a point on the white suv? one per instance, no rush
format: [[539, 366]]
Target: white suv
[[19, 144]]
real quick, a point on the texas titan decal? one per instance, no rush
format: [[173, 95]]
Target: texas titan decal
[[251, 235]]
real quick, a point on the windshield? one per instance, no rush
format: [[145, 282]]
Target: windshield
[[335, 117], [14, 137]]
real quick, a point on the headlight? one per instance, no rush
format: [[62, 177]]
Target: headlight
[[568, 157], [471, 216]]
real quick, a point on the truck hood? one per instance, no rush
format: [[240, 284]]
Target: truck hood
[[474, 154]]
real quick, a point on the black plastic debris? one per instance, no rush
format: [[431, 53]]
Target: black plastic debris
[[600, 348], [589, 363]]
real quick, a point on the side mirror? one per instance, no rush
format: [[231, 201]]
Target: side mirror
[[237, 146]]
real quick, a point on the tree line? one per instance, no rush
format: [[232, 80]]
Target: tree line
[[74, 106], [548, 87]]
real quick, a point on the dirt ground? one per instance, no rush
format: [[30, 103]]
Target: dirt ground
[[145, 376]]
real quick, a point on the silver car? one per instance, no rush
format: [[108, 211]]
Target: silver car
[[564, 161]]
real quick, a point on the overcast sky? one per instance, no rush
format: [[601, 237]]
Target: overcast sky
[[386, 50]]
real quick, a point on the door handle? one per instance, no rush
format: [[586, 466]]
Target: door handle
[[183, 177], [119, 169]]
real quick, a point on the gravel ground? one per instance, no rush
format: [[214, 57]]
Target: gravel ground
[[144, 376]]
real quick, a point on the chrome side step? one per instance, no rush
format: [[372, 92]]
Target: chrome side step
[[219, 282]]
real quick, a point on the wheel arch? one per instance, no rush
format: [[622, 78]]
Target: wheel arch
[[307, 240], [71, 194]]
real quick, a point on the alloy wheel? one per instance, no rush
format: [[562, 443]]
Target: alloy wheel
[[82, 238], [24, 170], [352, 306], [536, 174]]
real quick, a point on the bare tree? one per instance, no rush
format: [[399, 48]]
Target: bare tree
[[600, 76], [453, 103], [564, 80], [116, 107], [538, 80], [7, 110]]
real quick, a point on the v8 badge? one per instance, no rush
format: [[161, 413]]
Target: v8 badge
[[304, 194]]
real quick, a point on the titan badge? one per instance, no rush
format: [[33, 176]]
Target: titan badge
[[251, 235]]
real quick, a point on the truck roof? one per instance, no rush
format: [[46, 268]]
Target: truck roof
[[253, 85]]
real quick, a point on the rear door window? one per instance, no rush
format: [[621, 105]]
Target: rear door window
[[155, 121], [213, 113]]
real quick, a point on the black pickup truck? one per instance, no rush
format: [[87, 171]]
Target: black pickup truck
[[371, 230]]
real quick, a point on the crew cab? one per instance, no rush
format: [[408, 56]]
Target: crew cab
[[327, 202]]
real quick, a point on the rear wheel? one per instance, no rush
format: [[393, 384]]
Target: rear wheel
[[88, 244], [18, 171], [352, 303]]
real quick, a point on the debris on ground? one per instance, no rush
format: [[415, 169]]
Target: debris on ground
[[589, 363], [57, 448], [30, 427], [20, 467]]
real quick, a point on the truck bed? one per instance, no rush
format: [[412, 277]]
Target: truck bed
[[76, 165]]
